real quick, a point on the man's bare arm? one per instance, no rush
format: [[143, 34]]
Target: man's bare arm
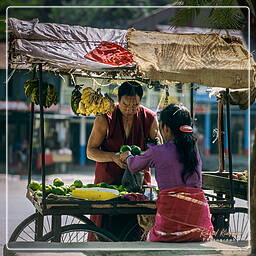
[[154, 131], [98, 134]]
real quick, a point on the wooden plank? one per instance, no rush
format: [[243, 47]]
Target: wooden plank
[[219, 182]]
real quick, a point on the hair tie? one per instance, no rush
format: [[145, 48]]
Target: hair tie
[[186, 128]]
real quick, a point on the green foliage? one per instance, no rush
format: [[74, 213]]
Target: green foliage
[[226, 19], [218, 18]]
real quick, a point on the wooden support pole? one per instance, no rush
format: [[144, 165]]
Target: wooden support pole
[[221, 136], [42, 131]]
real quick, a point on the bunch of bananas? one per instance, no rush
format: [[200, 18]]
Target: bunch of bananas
[[94, 102], [75, 99], [31, 89]]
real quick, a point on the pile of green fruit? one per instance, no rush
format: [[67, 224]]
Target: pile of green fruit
[[59, 188], [135, 150]]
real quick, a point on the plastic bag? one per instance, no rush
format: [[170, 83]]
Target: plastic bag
[[133, 181]]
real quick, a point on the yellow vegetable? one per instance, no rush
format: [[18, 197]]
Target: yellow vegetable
[[95, 193]]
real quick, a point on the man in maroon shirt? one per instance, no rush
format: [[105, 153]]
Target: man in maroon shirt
[[129, 124]]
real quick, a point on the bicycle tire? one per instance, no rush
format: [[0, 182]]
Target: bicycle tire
[[21, 234], [101, 234], [236, 225], [130, 232]]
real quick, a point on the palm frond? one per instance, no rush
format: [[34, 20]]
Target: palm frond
[[226, 18], [184, 16]]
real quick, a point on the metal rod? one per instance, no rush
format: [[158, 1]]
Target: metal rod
[[192, 102], [42, 132], [222, 138], [32, 114], [229, 147], [31, 142]]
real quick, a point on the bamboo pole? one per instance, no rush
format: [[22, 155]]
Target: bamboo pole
[[221, 136]]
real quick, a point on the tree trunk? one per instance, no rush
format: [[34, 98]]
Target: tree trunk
[[253, 196]]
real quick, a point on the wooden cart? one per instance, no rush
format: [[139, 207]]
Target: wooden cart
[[219, 182], [66, 220]]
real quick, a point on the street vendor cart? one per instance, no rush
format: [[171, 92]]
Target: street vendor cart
[[53, 47]]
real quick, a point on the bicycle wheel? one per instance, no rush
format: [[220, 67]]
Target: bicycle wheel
[[26, 230], [239, 224], [232, 225], [79, 233], [131, 232]]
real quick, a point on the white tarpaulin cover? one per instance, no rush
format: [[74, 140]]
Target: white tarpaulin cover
[[207, 59], [61, 47]]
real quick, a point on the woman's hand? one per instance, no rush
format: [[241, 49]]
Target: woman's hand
[[117, 159]]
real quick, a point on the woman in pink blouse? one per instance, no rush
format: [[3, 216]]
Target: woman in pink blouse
[[182, 210]]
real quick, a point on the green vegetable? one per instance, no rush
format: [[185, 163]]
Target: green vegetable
[[111, 186], [90, 186], [121, 188], [48, 188], [135, 150], [34, 185], [125, 148], [58, 191], [72, 187], [102, 185], [78, 183], [64, 189], [58, 182]]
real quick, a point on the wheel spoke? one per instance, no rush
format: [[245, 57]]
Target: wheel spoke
[[28, 235], [49, 225]]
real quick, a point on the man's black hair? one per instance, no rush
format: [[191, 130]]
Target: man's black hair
[[130, 88]]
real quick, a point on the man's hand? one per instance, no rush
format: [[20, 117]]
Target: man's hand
[[124, 155], [118, 161]]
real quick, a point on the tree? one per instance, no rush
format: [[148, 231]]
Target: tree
[[219, 18]]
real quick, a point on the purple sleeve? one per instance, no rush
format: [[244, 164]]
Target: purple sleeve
[[138, 163]]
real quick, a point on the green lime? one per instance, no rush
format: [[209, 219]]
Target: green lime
[[34, 185], [135, 150], [58, 191], [125, 148], [111, 186], [58, 182], [78, 183], [90, 186], [72, 187], [102, 185]]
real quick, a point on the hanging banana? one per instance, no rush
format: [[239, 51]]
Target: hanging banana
[[91, 102], [31, 89]]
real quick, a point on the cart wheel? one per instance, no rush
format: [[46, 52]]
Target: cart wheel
[[131, 232], [79, 233], [232, 226], [25, 231]]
